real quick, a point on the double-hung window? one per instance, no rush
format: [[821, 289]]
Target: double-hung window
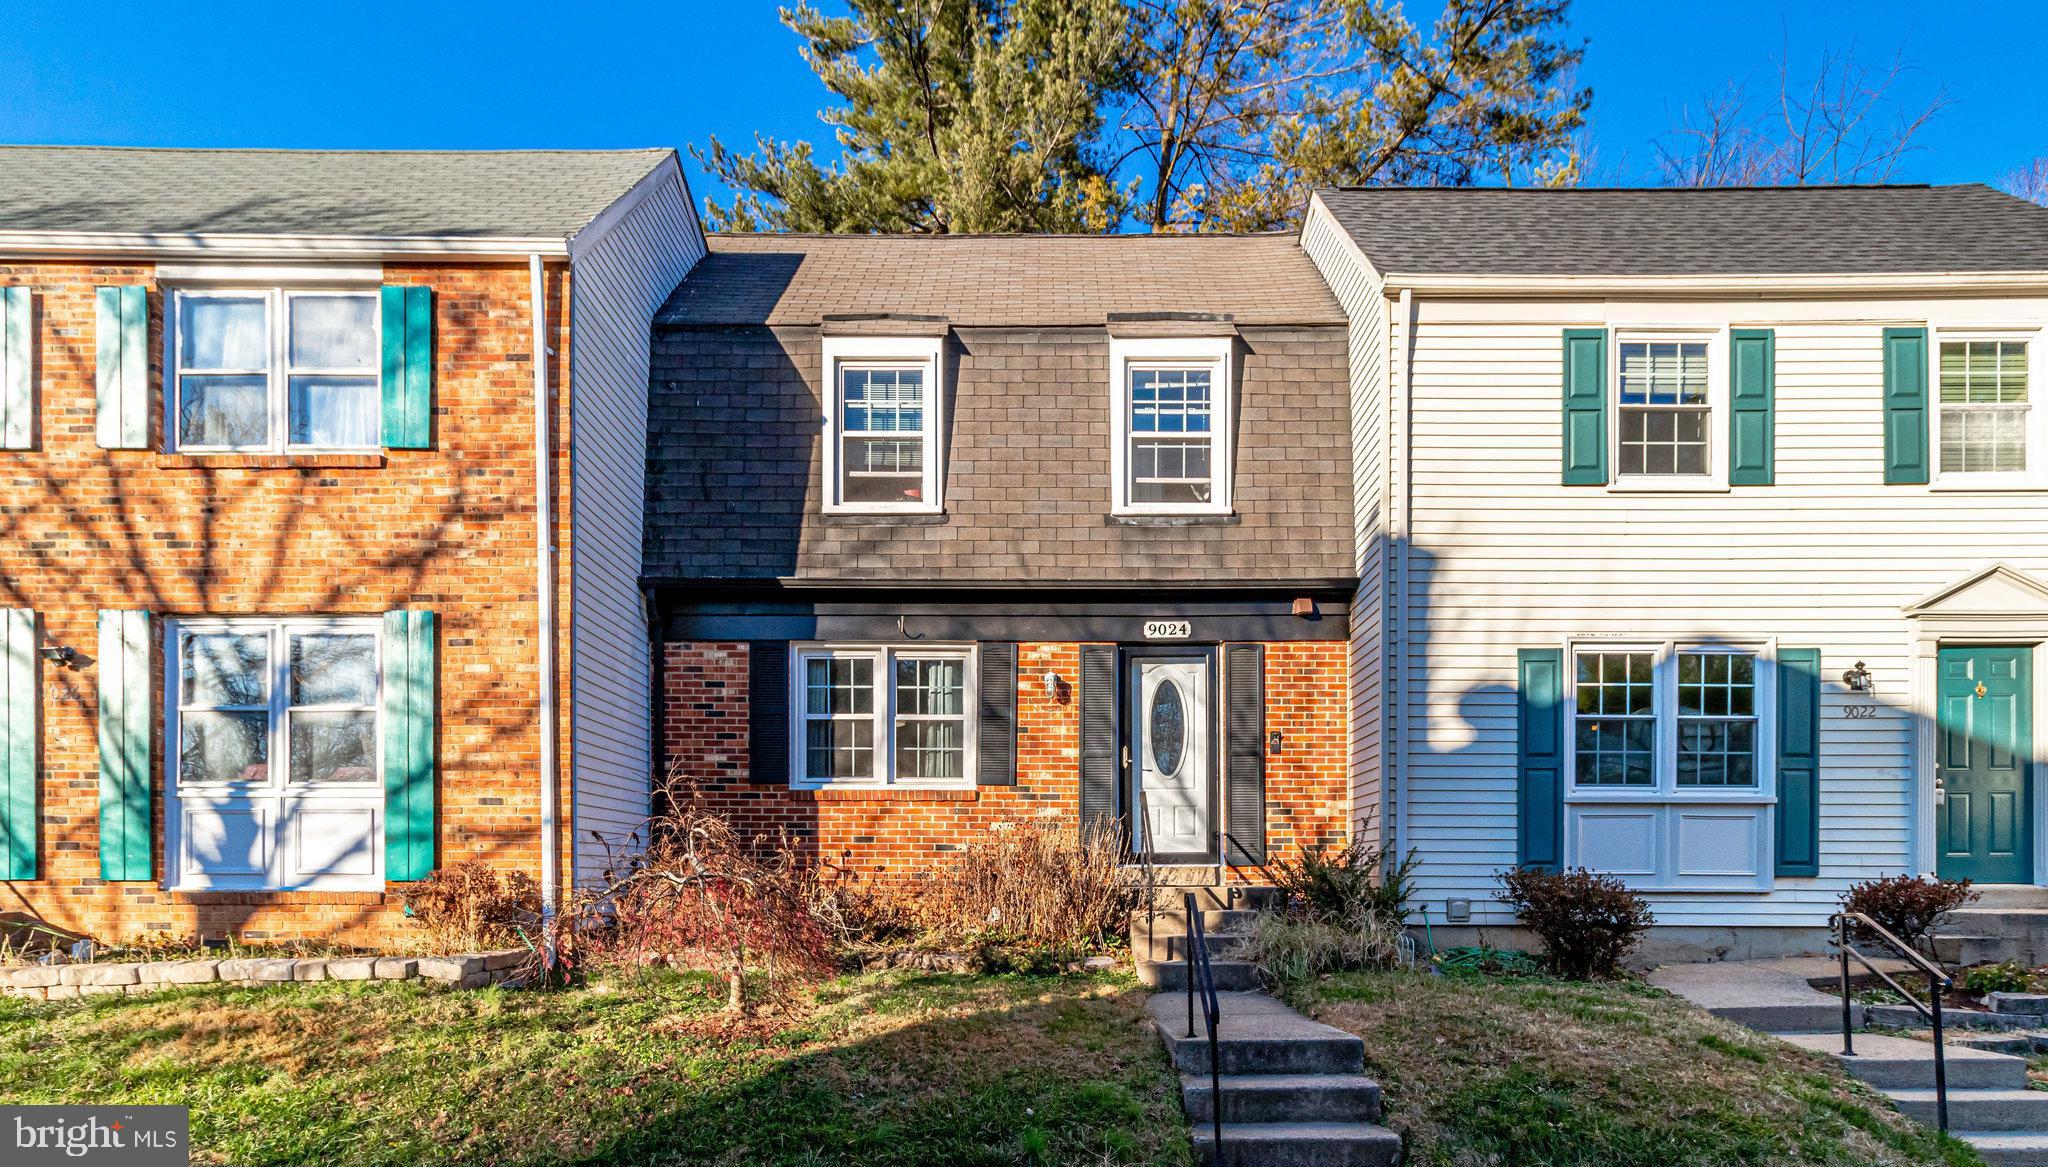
[[275, 753], [1668, 389], [1671, 779], [1986, 420], [274, 370], [882, 443], [872, 716], [1170, 407]]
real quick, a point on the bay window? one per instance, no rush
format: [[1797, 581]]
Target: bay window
[[274, 370], [879, 716], [882, 450]]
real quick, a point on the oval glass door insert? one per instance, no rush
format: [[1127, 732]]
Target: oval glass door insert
[[1169, 727]]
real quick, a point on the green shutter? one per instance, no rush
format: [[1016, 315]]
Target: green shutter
[[19, 702], [1798, 831], [408, 367], [123, 370], [1752, 406], [1585, 407], [1905, 406], [17, 399], [1539, 750], [125, 727], [408, 745]]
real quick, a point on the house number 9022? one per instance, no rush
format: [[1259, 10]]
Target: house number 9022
[[1859, 712]]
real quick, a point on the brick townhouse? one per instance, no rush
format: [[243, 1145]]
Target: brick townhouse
[[947, 533], [280, 628]]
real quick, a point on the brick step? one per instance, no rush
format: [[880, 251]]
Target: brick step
[[1170, 976], [2008, 1148], [1299, 1144], [1283, 1098], [1903, 1063], [1979, 1110], [1257, 1035]]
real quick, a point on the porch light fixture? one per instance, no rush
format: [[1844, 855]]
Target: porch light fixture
[[1055, 688], [1858, 679], [62, 654]]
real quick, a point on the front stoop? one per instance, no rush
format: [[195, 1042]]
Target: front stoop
[[1989, 1103]]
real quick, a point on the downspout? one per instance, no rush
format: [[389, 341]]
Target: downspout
[[544, 543], [1403, 517]]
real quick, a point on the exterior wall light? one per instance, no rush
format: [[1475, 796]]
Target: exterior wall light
[[1858, 679], [62, 654], [1055, 688]]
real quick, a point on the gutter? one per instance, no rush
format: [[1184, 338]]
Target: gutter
[[1403, 516], [544, 545], [48, 243], [1738, 286]]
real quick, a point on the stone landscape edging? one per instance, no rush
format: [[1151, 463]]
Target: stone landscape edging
[[57, 982]]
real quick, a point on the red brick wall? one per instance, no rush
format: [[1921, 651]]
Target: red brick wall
[[449, 528], [894, 834]]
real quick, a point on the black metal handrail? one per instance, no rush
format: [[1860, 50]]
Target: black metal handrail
[[1937, 983], [1196, 955]]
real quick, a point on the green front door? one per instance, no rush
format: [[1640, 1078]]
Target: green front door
[[1984, 822]]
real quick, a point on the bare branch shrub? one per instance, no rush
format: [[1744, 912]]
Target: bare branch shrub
[[468, 907], [1039, 884]]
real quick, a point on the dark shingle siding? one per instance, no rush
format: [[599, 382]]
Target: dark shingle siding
[[734, 483], [1728, 231], [1001, 279], [438, 194]]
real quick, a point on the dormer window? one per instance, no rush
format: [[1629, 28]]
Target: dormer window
[[882, 447], [1170, 409]]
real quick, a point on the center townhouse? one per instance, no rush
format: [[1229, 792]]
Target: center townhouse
[[366, 513]]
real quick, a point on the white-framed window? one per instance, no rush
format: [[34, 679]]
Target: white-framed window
[[271, 370], [1986, 429], [1670, 400], [864, 715], [1669, 718], [883, 451], [274, 747], [1170, 414]]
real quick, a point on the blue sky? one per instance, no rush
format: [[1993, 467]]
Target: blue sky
[[522, 73]]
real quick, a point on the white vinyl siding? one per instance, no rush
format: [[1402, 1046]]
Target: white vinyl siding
[[1506, 558], [622, 270]]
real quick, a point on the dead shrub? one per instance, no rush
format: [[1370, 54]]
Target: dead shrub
[[1040, 885], [473, 906]]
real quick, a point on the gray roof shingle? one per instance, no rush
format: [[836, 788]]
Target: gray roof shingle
[[1726, 231], [1000, 280], [433, 194]]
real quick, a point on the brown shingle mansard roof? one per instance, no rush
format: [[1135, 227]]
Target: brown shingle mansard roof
[[1001, 279], [472, 194], [1862, 230]]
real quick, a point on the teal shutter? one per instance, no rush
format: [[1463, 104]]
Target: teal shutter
[[408, 745], [1798, 832], [20, 700], [1906, 458], [408, 367], [1585, 407], [125, 727], [1539, 751], [123, 370], [17, 398], [1752, 406]]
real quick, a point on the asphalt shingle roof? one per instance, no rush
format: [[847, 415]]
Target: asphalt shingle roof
[[1001, 279], [1725, 231], [435, 194]]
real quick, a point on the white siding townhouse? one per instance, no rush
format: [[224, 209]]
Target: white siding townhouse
[[1703, 540]]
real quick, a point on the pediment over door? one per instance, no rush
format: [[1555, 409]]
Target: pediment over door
[[1996, 591]]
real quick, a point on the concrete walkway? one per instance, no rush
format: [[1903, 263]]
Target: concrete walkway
[[1774, 996]]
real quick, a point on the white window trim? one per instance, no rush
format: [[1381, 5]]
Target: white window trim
[[885, 715], [369, 795], [1716, 338], [899, 351], [1209, 352], [1664, 700], [278, 300], [2035, 477]]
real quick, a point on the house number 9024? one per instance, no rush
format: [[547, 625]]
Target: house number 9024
[[1168, 629], [1859, 712]]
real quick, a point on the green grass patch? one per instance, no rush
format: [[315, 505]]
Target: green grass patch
[[883, 1069], [1530, 1072]]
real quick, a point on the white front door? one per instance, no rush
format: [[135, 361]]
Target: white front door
[[1171, 767]]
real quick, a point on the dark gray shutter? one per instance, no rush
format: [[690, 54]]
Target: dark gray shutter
[[997, 743], [1099, 769], [768, 712], [1244, 765]]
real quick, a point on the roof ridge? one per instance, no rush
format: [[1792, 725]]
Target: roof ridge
[[318, 150], [1786, 188], [985, 236]]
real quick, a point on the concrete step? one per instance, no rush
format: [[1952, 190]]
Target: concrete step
[[1170, 976], [1964, 950], [1283, 1098], [2015, 923], [1163, 946], [1979, 1110], [1299, 1144], [1822, 1016], [1173, 920], [1170, 895], [2008, 1148], [1257, 1035], [2009, 895], [1903, 1063]]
